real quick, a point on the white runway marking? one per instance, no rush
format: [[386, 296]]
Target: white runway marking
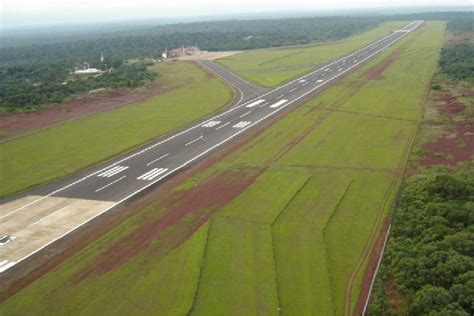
[[111, 172], [304, 84], [194, 140], [4, 265], [245, 114], [320, 80], [241, 124], [275, 105], [340, 69], [153, 173], [42, 219], [211, 124], [222, 126], [294, 89], [254, 103], [159, 158], [280, 96], [261, 106], [108, 185], [302, 80]]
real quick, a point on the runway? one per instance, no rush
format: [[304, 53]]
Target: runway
[[34, 220]]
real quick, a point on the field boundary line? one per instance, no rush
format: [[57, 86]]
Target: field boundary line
[[201, 267], [290, 200], [324, 238], [370, 114]]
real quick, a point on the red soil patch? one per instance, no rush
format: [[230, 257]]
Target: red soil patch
[[206, 199], [376, 73], [449, 106], [369, 273], [451, 149], [80, 106]]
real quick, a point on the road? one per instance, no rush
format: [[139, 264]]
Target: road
[[35, 220]]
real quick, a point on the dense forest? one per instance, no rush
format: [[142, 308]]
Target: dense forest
[[431, 251], [458, 61], [27, 87], [221, 35]]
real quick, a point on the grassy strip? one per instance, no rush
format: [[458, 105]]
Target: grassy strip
[[63, 149], [238, 276], [271, 67]]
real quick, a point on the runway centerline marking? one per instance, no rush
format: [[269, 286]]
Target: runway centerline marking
[[194, 140], [157, 159], [294, 89], [42, 219], [222, 126], [245, 114], [111, 183]]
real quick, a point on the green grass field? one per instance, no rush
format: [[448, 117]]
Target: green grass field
[[293, 242], [54, 152], [271, 67]]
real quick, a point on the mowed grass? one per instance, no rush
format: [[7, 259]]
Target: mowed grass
[[271, 67], [238, 276], [54, 152], [291, 242], [165, 285]]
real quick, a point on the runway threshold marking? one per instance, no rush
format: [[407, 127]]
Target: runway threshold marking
[[211, 124], [241, 124], [111, 172], [275, 105], [111, 183], [153, 173], [194, 140], [250, 105], [157, 159]]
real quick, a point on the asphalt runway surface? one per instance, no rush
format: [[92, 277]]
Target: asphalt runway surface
[[32, 221]]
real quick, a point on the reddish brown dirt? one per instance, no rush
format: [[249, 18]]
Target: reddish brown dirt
[[80, 106], [449, 105], [456, 147], [376, 73], [457, 143], [369, 273], [205, 199]]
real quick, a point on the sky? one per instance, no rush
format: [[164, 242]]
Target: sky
[[43, 12]]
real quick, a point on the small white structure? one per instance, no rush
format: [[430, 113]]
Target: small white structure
[[87, 70]]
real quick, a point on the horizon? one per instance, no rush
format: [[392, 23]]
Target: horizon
[[12, 18]]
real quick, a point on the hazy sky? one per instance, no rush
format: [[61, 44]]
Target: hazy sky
[[30, 12]]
